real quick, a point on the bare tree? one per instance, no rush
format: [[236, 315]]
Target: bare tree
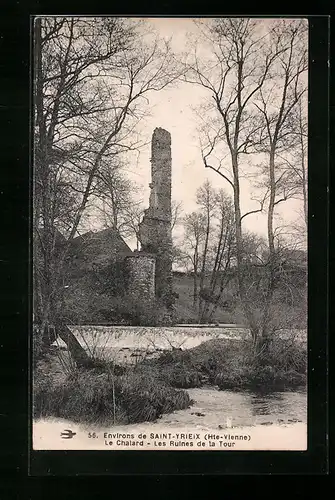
[[279, 107], [293, 182], [209, 244], [206, 199], [243, 55], [91, 81], [66, 49], [176, 213], [194, 227], [302, 174], [223, 251], [116, 197], [133, 217]]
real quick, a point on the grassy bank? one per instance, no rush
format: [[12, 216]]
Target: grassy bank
[[123, 395], [233, 365], [101, 397]]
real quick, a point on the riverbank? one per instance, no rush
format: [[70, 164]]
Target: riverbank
[[153, 387], [240, 420], [218, 388], [250, 420]]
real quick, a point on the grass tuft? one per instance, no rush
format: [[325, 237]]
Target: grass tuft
[[101, 398], [234, 364]]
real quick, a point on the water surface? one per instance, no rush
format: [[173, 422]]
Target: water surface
[[213, 408]]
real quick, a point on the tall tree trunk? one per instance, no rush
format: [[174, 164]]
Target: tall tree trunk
[[195, 282], [77, 352], [264, 339], [246, 306], [271, 205], [203, 266], [223, 283], [215, 271], [304, 174]]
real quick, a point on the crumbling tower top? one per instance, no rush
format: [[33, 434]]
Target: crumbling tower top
[[160, 134], [160, 195]]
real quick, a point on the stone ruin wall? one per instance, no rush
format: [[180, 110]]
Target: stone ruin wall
[[155, 228], [140, 269]]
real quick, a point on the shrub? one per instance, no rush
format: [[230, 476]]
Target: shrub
[[233, 365], [181, 375], [136, 312], [92, 397], [191, 368], [282, 365], [145, 398], [287, 355]]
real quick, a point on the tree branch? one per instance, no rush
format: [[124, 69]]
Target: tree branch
[[218, 172]]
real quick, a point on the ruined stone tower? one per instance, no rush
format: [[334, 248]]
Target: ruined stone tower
[[140, 269], [155, 228]]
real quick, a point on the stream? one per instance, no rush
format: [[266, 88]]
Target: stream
[[213, 408]]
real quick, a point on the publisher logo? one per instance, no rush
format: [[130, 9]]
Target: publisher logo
[[67, 434]]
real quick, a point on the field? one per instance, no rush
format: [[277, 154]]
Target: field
[[183, 287]]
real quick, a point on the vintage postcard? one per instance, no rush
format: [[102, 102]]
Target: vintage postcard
[[170, 233]]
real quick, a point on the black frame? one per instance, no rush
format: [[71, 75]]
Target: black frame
[[18, 295]]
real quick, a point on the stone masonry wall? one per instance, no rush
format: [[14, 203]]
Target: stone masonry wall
[[141, 277], [155, 228]]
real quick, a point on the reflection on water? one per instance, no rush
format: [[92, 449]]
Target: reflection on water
[[213, 408], [282, 404]]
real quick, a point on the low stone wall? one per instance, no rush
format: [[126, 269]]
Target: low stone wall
[[133, 343], [130, 344]]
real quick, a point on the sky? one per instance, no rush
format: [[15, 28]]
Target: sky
[[171, 109]]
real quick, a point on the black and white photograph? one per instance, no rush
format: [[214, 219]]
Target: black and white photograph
[[169, 233]]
